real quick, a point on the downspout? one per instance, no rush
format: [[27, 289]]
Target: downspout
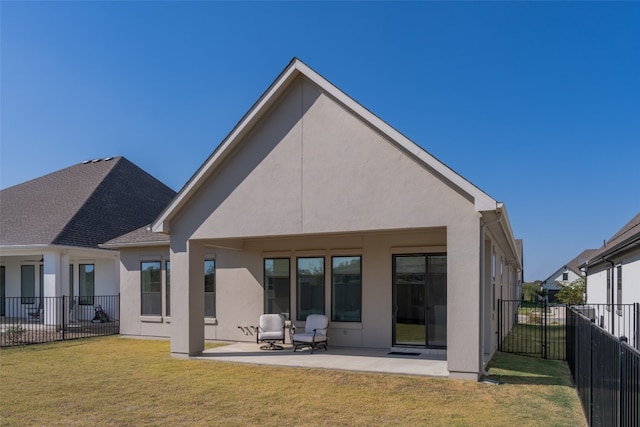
[[613, 317], [481, 284]]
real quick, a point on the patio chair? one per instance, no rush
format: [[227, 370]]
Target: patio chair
[[270, 330], [314, 335], [36, 313]]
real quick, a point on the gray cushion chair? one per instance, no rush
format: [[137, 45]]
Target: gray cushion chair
[[36, 313], [270, 331], [314, 335]]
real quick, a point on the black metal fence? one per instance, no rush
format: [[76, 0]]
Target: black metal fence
[[532, 328], [31, 320], [605, 370]]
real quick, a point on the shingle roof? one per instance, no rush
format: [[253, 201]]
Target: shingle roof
[[142, 235], [82, 205], [626, 235], [574, 264]]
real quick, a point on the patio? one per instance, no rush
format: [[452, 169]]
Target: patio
[[338, 358]]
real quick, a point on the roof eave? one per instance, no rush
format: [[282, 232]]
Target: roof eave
[[134, 244]]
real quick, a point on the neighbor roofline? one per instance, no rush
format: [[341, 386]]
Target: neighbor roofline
[[620, 247], [482, 201]]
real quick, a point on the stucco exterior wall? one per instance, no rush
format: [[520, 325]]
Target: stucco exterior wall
[[132, 322], [313, 167], [313, 178], [597, 280]]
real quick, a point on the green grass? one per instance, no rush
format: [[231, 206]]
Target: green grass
[[526, 339], [116, 382]]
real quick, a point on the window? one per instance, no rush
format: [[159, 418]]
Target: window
[[619, 283], [150, 288], [277, 286], [28, 284], [310, 287], [86, 280], [167, 275], [565, 276], [209, 288], [346, 288], [493, 281]]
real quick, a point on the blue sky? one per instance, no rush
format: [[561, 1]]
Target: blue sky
[[538, 104]]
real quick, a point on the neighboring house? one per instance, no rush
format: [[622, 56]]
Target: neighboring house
[[314, 205], [613, 273], [565, 275], [50, 229]]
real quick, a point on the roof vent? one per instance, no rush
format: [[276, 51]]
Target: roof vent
[[95, 161]]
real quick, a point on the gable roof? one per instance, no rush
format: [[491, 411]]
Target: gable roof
[[627, 236], [573, 265], [297, 68], [82, 205]]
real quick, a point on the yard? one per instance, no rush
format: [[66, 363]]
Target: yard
[[117, 381]]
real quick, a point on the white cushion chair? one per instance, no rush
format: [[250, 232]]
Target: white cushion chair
[[314, 335], [270, 330]]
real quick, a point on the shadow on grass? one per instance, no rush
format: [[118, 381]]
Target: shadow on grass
[[515, 369]]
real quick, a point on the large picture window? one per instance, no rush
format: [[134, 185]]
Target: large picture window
[[86, 281], [28, 284], [150, 288], [346, 288], [277, 285], [310, 287], [209, 288]]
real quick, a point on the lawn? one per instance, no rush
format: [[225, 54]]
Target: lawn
[[117, 381], [526, 339]]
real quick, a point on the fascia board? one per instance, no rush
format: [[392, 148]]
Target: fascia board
[[19, 250]]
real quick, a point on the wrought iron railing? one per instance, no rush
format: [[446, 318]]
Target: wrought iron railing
[[45, 319], [605, 370]]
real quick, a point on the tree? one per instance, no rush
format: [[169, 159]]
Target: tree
[[531, 291], [573, 293]]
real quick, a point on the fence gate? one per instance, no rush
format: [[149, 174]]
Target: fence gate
[[532, 328]]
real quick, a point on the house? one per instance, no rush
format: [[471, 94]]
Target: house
[[312, 204], [51, 228], [565, 275], [613, 278]]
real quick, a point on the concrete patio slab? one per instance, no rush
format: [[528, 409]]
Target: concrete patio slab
[[338, 358]]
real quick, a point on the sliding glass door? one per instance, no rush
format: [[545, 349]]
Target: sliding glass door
[[420, 300]]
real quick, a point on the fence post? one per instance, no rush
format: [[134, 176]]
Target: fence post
[[636, 325], [545, 352], [591, 353], [499, 325], [621, 371], [62, 326]]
